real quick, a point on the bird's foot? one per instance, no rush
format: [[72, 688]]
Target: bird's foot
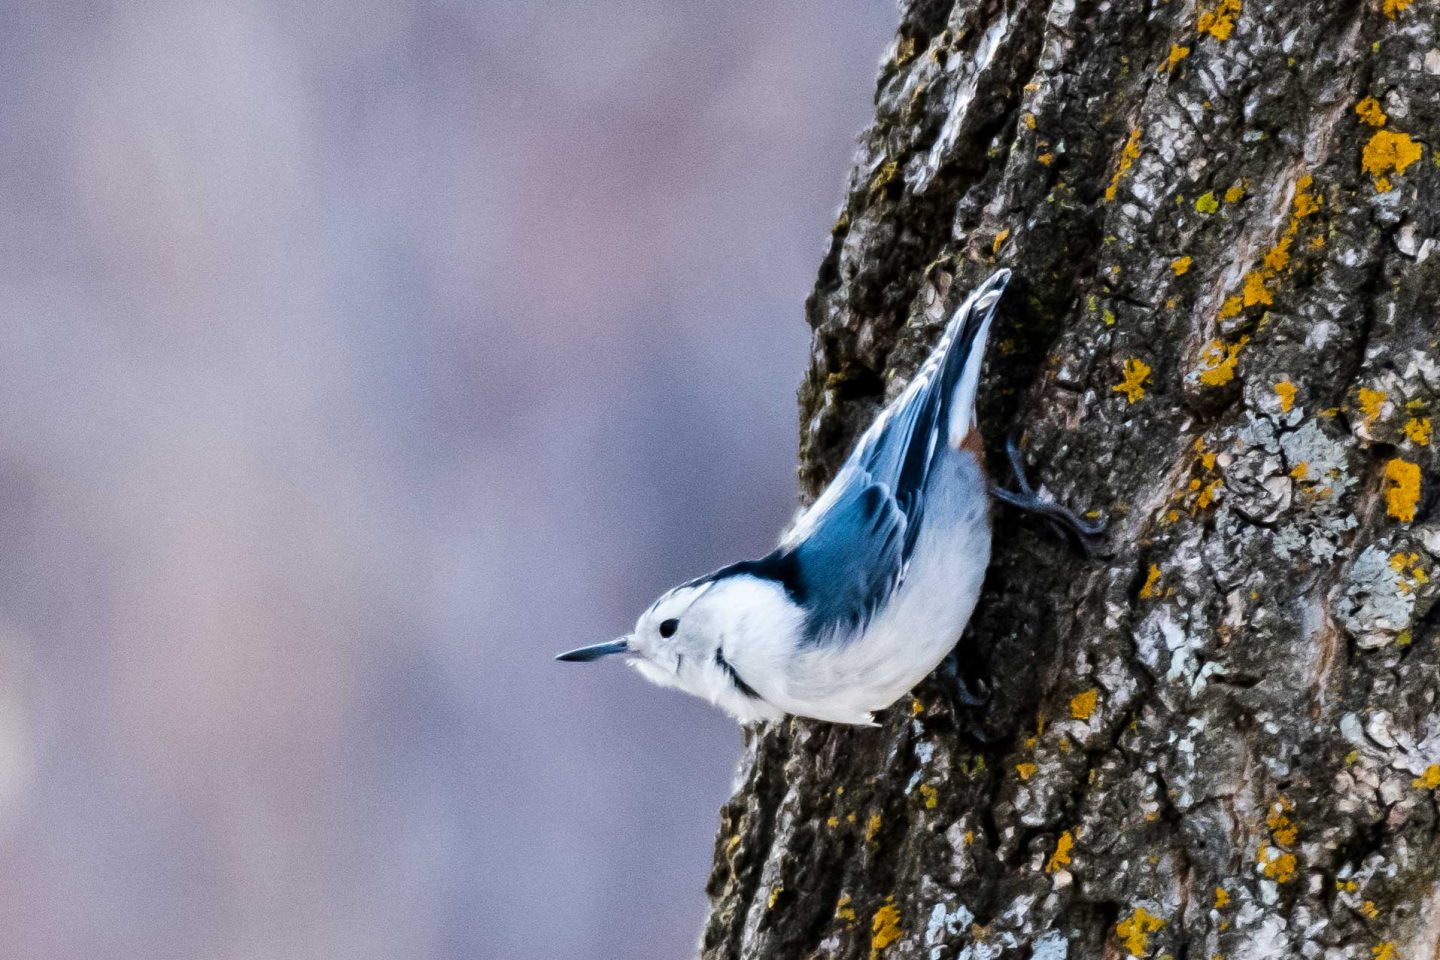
[[1084, 534], [966, 689]]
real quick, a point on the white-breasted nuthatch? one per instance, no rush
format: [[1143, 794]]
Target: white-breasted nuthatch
[[873, 584]]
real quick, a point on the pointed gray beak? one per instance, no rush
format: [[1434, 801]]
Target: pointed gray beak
[[595, 651]]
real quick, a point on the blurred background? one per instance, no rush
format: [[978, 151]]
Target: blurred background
[[356, 356]]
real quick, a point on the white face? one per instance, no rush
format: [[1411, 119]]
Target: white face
[[726, 641], [676, 639], [703, 639]]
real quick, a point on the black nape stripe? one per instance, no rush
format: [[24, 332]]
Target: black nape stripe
[[740, 685]]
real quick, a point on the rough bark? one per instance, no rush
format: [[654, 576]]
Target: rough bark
[[1223, 739]]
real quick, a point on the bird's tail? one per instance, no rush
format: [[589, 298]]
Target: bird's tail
[[962, 350]]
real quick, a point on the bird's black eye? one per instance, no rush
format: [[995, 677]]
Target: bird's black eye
[[668, 628]]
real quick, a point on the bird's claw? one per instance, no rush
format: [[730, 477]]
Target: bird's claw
[[1084, 534]]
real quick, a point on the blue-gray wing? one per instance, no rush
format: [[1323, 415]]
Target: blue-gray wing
[[848, 554], [850, 560]]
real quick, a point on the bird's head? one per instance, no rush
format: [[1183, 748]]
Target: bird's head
[[693, 637]]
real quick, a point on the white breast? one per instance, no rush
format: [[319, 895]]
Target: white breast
[[846, 681]]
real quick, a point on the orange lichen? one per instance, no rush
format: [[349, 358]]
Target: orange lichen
[[1388, 153], [1300, 471], [1026, 770], [1177, 53], [1417, 429], [1430, 779], [1082, 705], [1257, 289], [1222, 899], [884, 927], [1029, 120], [1153, 577], [1220, 21], [1061, 857], [1180, 265], [1045, 159], [1369, 110], [1137, 371], [1235, 193], [1218, 361], [1385, 950], [1285, 390], [1128, 155], [930, 795], [872, 826], [1000, 238], [1368, 910], [1402, 490], [1134, 931], [1392, 7]]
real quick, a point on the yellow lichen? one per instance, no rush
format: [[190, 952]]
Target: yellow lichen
[[1220, 21], [1430, 779], [1279, 864], [844, 908], [1029, 120], [1206, 202], [1177, 53], [1000, 238], [1026, 770], [1128, 155], [1276, 864], [1282, 828], [1255, 290], [1207, 493], [1285, 390], [1385, 950], [1235, 193], [1417, 429], [832, 822], [883, 178], [1300, 471], [1135, 930], [930, 795], [1368, 910], [1221, 898], [1371, 403], [1402, 490], [1137, 371], [774, 897], [872, 826], [1369, 110], [1061, 857], [1045, 159], [1153, 577], [1180, 265], [884, 927], [1218, 360], [1388, 152], [1231, 308], [1392, 7], [1082, 705]]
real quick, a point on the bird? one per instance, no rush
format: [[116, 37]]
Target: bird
[[872, 585]]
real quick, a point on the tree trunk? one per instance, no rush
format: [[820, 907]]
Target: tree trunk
[[1222, 739]]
